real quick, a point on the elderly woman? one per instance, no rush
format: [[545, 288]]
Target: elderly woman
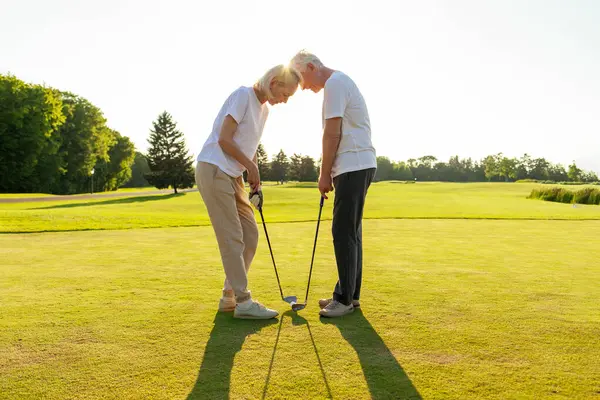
[[227, 153]]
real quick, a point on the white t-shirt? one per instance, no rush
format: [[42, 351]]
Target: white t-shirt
[[251, 115], [343, 99]]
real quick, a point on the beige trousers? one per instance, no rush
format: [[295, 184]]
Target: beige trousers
[[233, 220]]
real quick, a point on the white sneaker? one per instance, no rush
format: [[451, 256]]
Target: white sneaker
[[336, 309], [325, 302], [253, 310]]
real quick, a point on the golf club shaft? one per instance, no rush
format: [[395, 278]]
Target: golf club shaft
[[271, 251], [314, 248]]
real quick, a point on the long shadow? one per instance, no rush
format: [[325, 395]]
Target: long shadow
[[296, 320], [226, 339], [264, 395], [127, 200], [384, 375]]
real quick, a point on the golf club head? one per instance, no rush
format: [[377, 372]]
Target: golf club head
[[290, 299], [298, 306]]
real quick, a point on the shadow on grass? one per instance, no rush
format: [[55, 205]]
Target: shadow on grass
[[226, 339], [298, 320], [384, 375], [127, 200]]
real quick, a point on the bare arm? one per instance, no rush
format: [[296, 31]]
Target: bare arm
[[332, 135], [229, 147]]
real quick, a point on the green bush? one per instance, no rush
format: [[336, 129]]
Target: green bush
[[594, 197], [549, 182], [561, 195]]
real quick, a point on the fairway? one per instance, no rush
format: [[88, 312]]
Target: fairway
[[292, 203], [470, 291]]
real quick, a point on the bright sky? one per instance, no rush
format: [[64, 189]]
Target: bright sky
[[440, 78]]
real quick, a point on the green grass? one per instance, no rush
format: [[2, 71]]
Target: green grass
[[291, 203], [33, 195], [451, 309], [455, 304], [23, 195]]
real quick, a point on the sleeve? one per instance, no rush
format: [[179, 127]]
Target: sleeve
[[335, 99], [238, 103]]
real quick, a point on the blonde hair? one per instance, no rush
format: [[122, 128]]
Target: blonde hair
[[286, 76], [302, 59]]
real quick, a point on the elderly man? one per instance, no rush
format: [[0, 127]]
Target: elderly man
[[348, 164]]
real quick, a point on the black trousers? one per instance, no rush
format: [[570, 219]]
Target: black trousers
[[350, 193]]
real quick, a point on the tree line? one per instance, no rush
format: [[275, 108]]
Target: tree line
[[493, 168], [52, 141]]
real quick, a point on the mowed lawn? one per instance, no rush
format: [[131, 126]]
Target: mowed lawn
[[292, 202], [451, 309]]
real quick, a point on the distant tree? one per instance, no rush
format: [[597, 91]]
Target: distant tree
[[168, 159], [138, 169], [538, 169], [295, 167], [402, 172], [455, 170], [507, 168], [522, 166], [491, 167], [424, 170], [385, 169], [85, 143], [589, 176], [280, 167], [30, 116], [440, 172], [113, 173], [470, 169], [263, 163], [479, 172], [308, 170], [557, 173], [574, 173]]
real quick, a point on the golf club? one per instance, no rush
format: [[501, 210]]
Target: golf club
[[300, 306], [289, 299]]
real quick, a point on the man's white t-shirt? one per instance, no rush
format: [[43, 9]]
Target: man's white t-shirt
[[343, 99], [245, 108]]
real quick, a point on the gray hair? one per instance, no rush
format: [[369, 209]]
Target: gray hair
[[303, 58], [287, 76]]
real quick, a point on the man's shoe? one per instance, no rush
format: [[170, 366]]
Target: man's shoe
[[336, 309], [325, 302], [253, 310]]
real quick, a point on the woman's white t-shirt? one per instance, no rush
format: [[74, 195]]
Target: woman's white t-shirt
[[245, 108], [343, 99]]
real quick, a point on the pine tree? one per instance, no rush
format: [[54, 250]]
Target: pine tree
[[168, 159]]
